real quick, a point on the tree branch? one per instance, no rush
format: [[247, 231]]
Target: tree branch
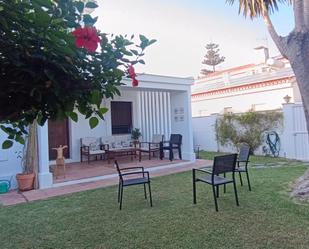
[[306, 14], [298, 7], [274, 35]]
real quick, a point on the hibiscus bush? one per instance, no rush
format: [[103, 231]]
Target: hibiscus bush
[[54, 62]]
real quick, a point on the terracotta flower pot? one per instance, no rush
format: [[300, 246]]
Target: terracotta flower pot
[[25, 181]]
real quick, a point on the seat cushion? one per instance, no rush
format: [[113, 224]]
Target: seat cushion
[[218, 180], [96, 152], [135, 181]]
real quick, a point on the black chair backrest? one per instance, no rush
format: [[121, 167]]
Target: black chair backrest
[[118, 169], [224, 164], [176, 139], [244, 152]]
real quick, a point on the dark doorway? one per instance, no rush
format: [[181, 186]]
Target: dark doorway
[[58, 134]]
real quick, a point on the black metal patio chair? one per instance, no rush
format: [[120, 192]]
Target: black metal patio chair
[[174, 143], [222, 165], [242, 163], [125, 179]]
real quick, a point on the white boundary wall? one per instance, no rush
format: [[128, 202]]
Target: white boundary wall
[[294, 136]]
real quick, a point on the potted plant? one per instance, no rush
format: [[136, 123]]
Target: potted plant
[[136, 134], [28, 156]]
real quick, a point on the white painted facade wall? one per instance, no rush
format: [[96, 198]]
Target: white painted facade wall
[[153, 103], [266, 98]]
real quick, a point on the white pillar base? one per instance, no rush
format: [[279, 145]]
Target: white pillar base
[[188, 156], [45, 180]]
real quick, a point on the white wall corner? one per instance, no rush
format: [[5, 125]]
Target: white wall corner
[[45, 180]]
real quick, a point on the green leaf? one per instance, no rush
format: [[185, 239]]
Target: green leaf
[[93, 122], [96, 97], [80, 6], [143, 38], [91, 5], [73, 116], [152, 41], [7, 144], [103, 110], [88, 20], [142, 62], [44, 3], [20, 139], [135, 52]]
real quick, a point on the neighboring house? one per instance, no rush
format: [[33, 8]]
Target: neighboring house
[[258, 87], [250, 87], [159, 105]]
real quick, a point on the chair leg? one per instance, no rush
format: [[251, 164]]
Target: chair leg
[[121, 194], [217, 191], [215, 198], [179, 153], [150, 197], [240, 178], [235, 191], [194, 186], [171, 155], [145, 193], [88, 159], [248, 180], [224, 187]]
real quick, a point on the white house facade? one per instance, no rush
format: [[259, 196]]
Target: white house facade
[[159, 105], [250, 87]]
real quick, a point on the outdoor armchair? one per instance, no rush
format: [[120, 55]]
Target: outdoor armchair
[[222, 165], [132, 176], [153, 146], [174, 143], [242, 162]]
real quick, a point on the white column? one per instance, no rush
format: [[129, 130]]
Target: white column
[[183, 123], [45, 177]]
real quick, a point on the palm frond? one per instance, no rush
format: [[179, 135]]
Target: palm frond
[[254, 8]]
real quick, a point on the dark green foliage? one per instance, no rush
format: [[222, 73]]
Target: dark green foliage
[[249, 127], [136, 134], [212, 58], [44, 75]]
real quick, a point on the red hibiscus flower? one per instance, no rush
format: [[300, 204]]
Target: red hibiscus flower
[[132, 74], [134, 82], [87, 38]]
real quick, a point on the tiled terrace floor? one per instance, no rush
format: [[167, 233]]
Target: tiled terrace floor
[[159, 169], [77, 171]]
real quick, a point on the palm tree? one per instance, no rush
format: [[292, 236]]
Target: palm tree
[[294, 47]]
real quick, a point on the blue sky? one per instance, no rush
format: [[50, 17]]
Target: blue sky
[[184, 27]]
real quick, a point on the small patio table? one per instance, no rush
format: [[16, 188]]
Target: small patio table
[[118, 152]]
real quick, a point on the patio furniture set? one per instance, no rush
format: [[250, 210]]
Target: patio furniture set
[[122, 145], [222, 165]]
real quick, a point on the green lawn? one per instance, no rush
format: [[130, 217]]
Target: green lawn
[[267, 160], [266, 217]]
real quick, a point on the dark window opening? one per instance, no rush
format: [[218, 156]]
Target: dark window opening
[[121, 117]]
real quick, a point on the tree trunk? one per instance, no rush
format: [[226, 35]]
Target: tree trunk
[[298, 55]]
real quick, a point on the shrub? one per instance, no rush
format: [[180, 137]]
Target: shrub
[[249, 127]]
